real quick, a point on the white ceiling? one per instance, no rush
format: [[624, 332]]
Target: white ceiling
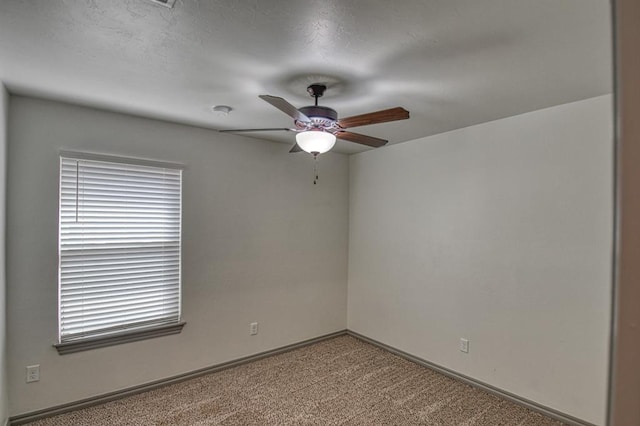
[[451, 63]]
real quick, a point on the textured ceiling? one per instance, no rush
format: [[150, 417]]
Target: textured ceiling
[[451, 63]]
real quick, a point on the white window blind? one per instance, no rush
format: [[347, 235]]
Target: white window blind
[[119, 247]]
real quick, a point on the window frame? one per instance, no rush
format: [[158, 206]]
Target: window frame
[[131, 334]]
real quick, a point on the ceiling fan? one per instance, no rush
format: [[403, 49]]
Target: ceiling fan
[[317, 127]]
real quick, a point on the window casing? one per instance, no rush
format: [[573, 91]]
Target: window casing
[[119, 249]]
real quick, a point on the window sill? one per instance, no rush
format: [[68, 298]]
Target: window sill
[[117, 339]]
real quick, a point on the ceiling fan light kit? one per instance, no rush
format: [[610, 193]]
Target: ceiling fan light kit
[[317, 126], [315, 141]]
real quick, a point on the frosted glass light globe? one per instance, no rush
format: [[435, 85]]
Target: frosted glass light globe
[[315, 141]]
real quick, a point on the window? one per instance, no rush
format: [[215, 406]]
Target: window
[[119, 251]]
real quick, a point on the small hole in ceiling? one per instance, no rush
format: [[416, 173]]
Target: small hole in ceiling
[[222, 110]]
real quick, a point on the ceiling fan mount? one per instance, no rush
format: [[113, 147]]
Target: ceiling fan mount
[[319, 119], [316, 90]]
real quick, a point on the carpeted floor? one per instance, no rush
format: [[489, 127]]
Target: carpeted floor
[[341, 381]]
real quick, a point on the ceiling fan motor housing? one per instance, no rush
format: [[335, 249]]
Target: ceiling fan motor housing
[[321, 117]]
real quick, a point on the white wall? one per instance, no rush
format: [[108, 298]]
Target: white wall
[[4, 390], [500, 233], [260, 243]]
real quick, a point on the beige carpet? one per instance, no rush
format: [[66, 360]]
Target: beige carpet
[[341, 381]]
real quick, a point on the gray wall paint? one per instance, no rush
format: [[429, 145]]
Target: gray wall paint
[[260, 243], [4, 389], [500, 233]]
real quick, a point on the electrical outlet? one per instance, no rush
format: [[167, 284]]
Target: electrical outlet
[[464, 345], [33, 373], [253, 328]]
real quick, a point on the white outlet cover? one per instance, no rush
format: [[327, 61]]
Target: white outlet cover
[[33, 373], [464, 345], [253, 328]]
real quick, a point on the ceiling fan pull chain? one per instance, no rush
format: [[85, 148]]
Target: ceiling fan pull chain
[[315, 168]]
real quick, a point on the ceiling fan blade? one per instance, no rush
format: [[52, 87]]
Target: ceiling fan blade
[[285, 107], [361, 139], [295, 148], [279, 129], [383, 116]]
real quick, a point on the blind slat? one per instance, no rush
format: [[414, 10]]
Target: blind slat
[[148, 294], [120, 281], [107, 322], [108, 309]]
